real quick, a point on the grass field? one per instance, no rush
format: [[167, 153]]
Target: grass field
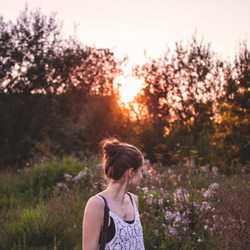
[[182, 206]]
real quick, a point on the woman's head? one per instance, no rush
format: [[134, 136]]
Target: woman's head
[[119, 157]]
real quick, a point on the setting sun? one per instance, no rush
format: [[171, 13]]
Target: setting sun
[[129, 87]]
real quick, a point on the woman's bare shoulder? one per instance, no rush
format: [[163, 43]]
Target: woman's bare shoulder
[[94, 205]]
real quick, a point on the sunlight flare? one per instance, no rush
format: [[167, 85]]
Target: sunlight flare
[[129, 87]]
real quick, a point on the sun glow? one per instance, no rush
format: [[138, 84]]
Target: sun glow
[[128, 87]]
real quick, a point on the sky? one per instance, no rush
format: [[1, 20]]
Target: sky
[[133, 27]]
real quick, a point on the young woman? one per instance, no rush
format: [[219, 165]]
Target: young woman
[[122, 165]]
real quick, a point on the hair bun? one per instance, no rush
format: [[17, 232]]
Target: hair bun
[[112, 149]]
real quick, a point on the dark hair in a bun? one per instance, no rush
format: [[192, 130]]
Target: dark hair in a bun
[[118, 157]]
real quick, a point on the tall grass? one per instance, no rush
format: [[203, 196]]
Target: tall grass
[[36, 212]]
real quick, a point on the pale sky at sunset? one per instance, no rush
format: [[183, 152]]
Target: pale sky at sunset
[[128, 27]]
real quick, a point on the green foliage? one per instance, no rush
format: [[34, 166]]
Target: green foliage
[[38, 226], [46, 83], [36, 212]]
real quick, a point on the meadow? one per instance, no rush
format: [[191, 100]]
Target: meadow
[[182, 206], [59, 98]]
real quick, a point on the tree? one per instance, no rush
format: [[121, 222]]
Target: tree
[[46, 82], [231, 138], [180, 90]]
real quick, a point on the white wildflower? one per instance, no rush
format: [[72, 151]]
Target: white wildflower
[[145, 190], [80, 175], [215, 170], [172, 231], [169, 215], [160, 202], [150, 199], [207, 194], [177, 217], [211, 190], [67, 177], [62, 185], [164, 192], [181, 195], [205, 206], [214, 186]]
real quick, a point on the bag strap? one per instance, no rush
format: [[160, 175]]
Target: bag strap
[[130, 196], [105, 224]]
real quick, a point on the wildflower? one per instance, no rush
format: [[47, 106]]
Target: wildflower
[[164, 192], [26, 169], [205, 227], [80, 175], [181, 195], [160, 202], [214, 186], [205, 168], [211, 189], [150, 199], [199, 240], [172, 231], [190, 163], [177, 217], [205, 206], [62, 186], [145, 190], [169, 215], [67, 177], [207, 194], [215, 170], [179, 177]]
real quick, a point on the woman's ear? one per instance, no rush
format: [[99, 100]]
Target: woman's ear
[[130, 172]]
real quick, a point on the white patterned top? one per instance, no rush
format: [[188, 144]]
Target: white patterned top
[[127, 236]]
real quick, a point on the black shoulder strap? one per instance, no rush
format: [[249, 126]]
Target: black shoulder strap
[[130, 196], [105, 224]]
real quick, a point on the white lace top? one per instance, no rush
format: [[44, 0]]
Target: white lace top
[[127, 236]]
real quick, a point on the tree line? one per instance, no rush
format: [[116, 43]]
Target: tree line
[[57, 97]]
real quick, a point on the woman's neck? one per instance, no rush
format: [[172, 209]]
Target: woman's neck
[[117, 190]]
